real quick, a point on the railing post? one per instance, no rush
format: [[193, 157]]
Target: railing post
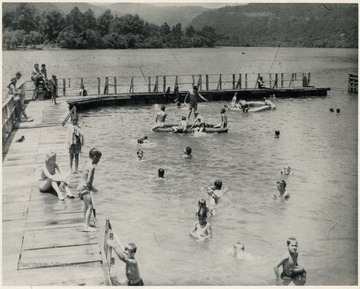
[[193, 80], [308, 78], [246, 80], [238, 84], [149, 83], [270, 79], [156, 83], [164, 83], [207, 82], [64, 86], [106, 88], [256, 83], [219, 83], [115, 85], [176, 82], [200, 82], [99, 85], [132, 85], [69, 83], [276, 80], [282, 80], [234, 85]]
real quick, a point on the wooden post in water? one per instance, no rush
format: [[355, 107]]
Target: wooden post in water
[[282, 80], [115, 85], [99, 91], [246, 81], [149, 83], [207, 82], [64, 86], [238, 84], [164, 83], [219, 83]]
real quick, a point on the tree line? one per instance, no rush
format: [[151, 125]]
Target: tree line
[[25, 26]]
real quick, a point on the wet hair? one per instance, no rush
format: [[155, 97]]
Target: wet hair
[[132, 247], [161, 173], [140, 140], [202, 214], [277, 132], [94, 152], [18, 74], [139, 151], [50, 155], [188, 150], [218, 184], [53, 76], [196, 87], [163, 108], [290, 240], [282, 182], [183, 118], [331, 109], [223, 110], [338, 110], [42, 65], [202, 202], [145, 137]]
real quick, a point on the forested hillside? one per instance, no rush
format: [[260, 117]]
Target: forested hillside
[[268, 24]]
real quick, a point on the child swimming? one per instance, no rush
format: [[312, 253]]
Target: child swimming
[[289, 263], [282, 193], [187, 153], [202, 229], [140, 154]]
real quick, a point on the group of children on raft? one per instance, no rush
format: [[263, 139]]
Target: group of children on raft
[[51, 177]]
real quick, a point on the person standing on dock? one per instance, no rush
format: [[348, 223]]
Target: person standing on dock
[[75, 141], [160, 118], [193, 100]]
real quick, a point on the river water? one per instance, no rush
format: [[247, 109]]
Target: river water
[[320, 146]]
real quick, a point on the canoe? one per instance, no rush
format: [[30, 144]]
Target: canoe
[[208, 130]]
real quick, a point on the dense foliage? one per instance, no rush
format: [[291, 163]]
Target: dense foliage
[[256, 24], [77, 30], [293, 25]]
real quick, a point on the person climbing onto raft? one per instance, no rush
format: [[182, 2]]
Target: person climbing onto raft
[[160, 118]]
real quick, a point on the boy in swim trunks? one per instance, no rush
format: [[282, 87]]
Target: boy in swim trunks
[[193, 100], [282, 193], [289, 263], [202, 229], [85, 187], [160, 118], [127, 255], [182, 127]]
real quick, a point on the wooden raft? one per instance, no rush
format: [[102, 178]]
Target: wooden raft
[[43, 242]]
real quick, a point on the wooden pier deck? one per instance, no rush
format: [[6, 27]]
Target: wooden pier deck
[[42, 241]]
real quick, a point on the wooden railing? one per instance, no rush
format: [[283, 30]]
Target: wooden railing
[[162, 83], [8, 118], [353, 83]]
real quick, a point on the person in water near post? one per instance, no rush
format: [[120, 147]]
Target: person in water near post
[[223, 123], [160, 118], [127, 255], [282, 193], [182, 127], [289, 263], [193, 100]]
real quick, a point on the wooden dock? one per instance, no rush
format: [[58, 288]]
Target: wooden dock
[[43, 242]]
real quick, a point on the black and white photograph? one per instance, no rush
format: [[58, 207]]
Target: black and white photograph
[[171, 143]]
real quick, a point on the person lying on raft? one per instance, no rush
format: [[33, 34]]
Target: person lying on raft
[[223, 123], [202, 229], [291, 269], [182, 128], [160, 118]]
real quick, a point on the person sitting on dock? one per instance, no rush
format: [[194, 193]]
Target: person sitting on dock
[[85, 187], [182, 128], [223, 123], [261, 83], [51, 177], [127, 255], [193, 100], [160, 118]]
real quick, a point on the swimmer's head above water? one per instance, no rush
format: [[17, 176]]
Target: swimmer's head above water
[[161, 173], [140, 154], [188, 151]]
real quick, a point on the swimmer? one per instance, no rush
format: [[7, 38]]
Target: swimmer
[[331, 109], [243, 105], [201, 230], [187, 153], [161, 173], [216, 193], [291, 270], [338, 110], [282, 193], [160, 118], [203, 210], [140, 154], [142, 139], [277, 134], [286, 171]]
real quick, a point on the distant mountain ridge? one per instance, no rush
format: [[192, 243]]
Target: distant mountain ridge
[[298, 24]]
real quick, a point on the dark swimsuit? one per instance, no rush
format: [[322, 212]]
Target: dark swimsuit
[[139, 283]]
